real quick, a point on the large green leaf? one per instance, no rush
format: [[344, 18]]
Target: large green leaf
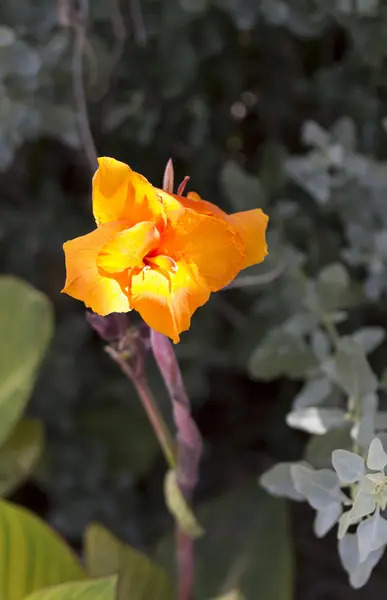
[[97, 589], [102, 551], [32, 556], [25, 330], [19, 454], [246, 546], [139, 577]]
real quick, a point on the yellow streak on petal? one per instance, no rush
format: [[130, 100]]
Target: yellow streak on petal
[[122, 194], [84, 281], [127, 248], [167, 300]]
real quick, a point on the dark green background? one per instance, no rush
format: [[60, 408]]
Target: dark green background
[[225, 88]]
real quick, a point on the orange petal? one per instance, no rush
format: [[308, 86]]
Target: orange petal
[[85, 281], [212, 244], [128, 248], [167, 300], [121, 194], [195, 202], [251, 226]]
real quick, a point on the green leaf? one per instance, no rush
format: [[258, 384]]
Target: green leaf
[[350, 370], [25, 330], [32, 556], [139, 578], [102, 551], [179, 507], [100, 589], [19, 454], [245, 529], [243, 190]]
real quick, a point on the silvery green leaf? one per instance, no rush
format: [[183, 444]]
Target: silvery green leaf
[[363, 505], [310, 177], [313, 393], [349, 552], [319, 449], [7, 36], [359, 577], [369, 337], [278, 481], [377, 458], [348, 465], [300, 324], [316, 420], [314, 135], [241, 188], [350, 369], [332, 287], [363, 430], [344, 132], [326, 518], [281, 354], [381, 420], [371, 534], [321, 488], [339, 316], [344, 524], [320, 344], [359, 572]]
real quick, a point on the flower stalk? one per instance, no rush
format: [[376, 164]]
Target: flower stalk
[[189, 441]]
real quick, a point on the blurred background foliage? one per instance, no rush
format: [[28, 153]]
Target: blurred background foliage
[[274, 103]]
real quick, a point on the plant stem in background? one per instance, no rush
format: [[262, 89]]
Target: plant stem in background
[[127, 347], [151, 408]]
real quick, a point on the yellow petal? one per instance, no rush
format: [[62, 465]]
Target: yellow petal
[[167, 300], [211, 243], [251, 226], [128, 248], [84, 281], [121, 194]]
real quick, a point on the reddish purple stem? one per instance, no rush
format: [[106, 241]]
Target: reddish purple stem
[[190, 447]]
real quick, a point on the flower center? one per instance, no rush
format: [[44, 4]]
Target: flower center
[[165, 263]]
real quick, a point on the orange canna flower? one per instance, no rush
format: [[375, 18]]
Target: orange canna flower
[[158, 253]]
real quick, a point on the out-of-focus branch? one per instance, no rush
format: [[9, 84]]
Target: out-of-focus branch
[[80, 30], [139, 31], [119, 32], [77, 17], [262, 279]]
